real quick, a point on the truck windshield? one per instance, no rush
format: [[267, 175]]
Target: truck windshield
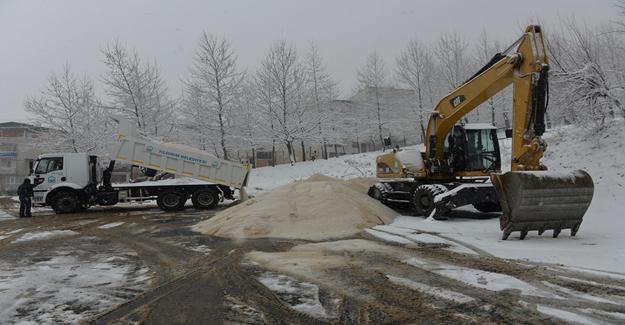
[[46, 165]]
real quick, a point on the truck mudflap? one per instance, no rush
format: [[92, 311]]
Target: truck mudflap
[[542, 200]]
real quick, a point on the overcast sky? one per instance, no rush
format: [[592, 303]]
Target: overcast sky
[[38, 36]]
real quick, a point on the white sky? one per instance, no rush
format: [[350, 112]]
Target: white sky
[[38, 36]]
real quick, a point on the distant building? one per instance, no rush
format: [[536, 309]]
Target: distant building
[[17, 154]]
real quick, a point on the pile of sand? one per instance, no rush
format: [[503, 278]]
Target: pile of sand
[[318, 208]]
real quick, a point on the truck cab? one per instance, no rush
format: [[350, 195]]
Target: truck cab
[[54, 173]]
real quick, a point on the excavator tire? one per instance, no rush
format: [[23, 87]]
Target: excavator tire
[[424, 203], [542, 200]]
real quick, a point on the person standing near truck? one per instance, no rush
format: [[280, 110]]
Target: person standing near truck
[[26, 193]]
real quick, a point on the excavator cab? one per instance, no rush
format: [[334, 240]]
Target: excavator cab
[[473, 148]]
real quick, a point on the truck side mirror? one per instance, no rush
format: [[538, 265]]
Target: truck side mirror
[[508, 133]]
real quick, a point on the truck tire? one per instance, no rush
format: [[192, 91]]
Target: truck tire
[[171, 200], [205, 199], [65, 202]]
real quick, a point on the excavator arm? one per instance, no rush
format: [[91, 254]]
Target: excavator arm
[[526, 68], [530, 197]]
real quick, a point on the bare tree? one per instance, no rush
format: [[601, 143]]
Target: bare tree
[[196, 122], [216, 77], [285, 77], [484, 51], [137, 90], [415, 69], [247, 118], [372, 78], [453, 65], [70, 111], [322, 89], [265, 98]]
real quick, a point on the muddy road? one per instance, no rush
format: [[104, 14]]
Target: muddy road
[[167, 274]]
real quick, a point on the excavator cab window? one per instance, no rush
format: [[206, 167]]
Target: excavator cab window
[[482, 150], [472, 149], [383, 168]]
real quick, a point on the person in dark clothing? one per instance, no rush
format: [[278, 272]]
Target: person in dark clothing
[[26, 193]]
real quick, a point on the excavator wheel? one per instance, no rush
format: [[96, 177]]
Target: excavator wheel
[[424, 203]]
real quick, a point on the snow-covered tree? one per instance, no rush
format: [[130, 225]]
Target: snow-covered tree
[[284, 79], [485, 49], [322, 90], [248, 118], [195, 122], [587, 72], [216, 78], [371, 79], [453, 61], [415, 69], [71, 113], [136, 90]]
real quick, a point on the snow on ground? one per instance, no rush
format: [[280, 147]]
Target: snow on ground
[[65, 288], [41, 235], [387, 237], [478, 278], [565, 315], [5, 215], [301, 296], [111, 225], [434, 291]]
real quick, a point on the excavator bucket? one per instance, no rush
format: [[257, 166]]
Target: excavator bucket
[[542, 200]]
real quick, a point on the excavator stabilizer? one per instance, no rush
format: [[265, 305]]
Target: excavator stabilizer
[[542, 200]]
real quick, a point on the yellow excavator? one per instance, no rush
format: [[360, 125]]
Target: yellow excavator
[[461, 164]]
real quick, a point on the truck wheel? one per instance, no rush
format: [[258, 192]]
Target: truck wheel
[[487, 207], [205, 199], [171, 200], [423, 201], [65, 202]]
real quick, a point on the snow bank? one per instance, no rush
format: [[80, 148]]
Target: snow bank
[[346, 167], [316, 209]]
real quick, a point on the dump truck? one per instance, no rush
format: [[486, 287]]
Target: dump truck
[[461, 163], [71, 182]]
